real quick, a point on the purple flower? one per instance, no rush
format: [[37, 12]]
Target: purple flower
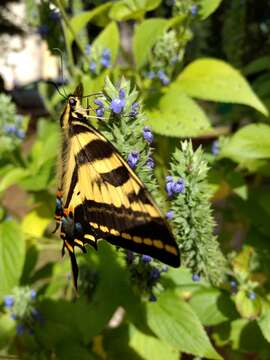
[[33, 294], [169, 185], [10, 129], [233, 284], [20, 328], [133, 159], [150, 162], [92, 67], [98, 102], [106, 58], [148, 135], [122, 94], [215, 147], [178, 186], [100, 112], [20, 134], [252, 295], [163, 77], [134, 109], [151, 75], [146, 259], [129, 257], [169, 214], [8, 301], [196, 277], [88, 49], [154, 273], [194, 10], [152, 298], [117, 105]]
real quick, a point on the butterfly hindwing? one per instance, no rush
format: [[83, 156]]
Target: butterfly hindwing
[[104, 199]]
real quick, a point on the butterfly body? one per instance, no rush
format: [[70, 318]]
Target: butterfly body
[[100, 197]]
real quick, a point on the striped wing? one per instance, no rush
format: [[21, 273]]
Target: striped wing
[[107, 199]]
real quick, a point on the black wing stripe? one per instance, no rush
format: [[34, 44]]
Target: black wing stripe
[[95, 150], [73, 183], [140, 196], [79, 129], [116, 177]]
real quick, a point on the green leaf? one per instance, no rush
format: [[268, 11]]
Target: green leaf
[[11, 177], [207, 7], [132, 9], [174, 322], [249, 143], [212, 306], [78, 22], [7, 330], [109, 38], [178, 115], [146, 35], [149, 347], [12, 254], [264, 321], [212, 79]]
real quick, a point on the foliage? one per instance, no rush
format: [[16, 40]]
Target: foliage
[[197, 133]]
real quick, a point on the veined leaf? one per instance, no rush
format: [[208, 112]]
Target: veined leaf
[[12, 254], [212, 79], [207, 7]]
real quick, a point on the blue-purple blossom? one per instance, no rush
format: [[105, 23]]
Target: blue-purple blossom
[[146, 259], [20, 134], [92, 67], [148, 135], [152, 298], [100, 112], [196, 277], [117, 105], [154, 273], [169, 185], [129, 257], [133, 159], [194, 10], [33, 294], [178, 186], [98, 102], [252, 295], [122, 93], [169, 214], [20, 329], [106, 58], [151, 75], [8, 301], [134, 109], [88, 48], [10, 129], [233, 284], [215, 147], [150, 162], [163, 77]]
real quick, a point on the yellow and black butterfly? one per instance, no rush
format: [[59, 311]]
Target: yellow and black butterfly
[[100, 197]]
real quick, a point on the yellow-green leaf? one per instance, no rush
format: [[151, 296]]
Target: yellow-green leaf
[[212, 79]]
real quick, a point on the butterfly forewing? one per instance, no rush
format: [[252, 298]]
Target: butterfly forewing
[[104, 199]]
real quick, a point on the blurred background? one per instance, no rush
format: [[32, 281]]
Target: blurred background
[[193, 123]]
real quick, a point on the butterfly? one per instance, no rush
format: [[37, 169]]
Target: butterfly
[[100, 197]]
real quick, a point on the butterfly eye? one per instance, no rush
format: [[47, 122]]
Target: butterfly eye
[[72, 102]]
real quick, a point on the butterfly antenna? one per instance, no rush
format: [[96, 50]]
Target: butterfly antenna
[[57, 88], [62, 69]]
